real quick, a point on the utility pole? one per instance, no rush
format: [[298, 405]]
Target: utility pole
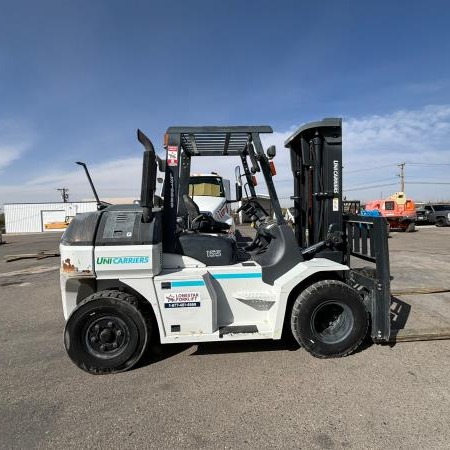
[[64, 194], [402, 176]]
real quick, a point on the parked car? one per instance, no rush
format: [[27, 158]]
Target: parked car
[[435, 214]]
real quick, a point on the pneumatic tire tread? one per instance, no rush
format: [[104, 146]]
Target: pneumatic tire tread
[[441, 222], [135, 311], [309, 300]]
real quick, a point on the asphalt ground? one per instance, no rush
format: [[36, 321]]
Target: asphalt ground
[[233, 395]]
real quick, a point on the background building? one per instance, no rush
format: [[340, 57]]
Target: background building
[[40, 217]]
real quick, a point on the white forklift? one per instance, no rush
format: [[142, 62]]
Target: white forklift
[[130, 274]]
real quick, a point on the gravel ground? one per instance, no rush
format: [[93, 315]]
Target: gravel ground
[[232, 395]]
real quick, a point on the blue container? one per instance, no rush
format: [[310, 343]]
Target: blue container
[[370, 213]]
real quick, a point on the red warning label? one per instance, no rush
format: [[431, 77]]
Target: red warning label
[[172, 155]]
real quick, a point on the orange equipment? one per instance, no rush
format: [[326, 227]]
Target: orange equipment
[[58, 225], [399, 211]]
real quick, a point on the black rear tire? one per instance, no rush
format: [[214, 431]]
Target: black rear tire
[[107, 332], [329, 319], [441, 222], [410, 228]]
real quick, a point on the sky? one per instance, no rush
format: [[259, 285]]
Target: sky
[[77, 78]]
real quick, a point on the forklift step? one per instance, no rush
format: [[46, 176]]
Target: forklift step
[[261, 301], [237, 329]]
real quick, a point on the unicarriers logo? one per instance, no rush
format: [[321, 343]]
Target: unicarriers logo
[[122, 260], [336, 177]]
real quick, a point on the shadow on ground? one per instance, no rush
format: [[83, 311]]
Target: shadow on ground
[[251, 346], [400, 312], [159, 352]]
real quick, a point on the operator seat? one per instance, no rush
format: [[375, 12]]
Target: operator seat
[[201, 243], [202, 222]]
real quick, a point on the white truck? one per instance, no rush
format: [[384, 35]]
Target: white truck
[[211, 193]]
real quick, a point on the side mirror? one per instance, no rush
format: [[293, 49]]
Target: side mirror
[[238, 194], [271, 152]]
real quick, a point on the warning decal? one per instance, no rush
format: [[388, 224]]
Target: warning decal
[[335, 204], [172, 155], [182, 300]]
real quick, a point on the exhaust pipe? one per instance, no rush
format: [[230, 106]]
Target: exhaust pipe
[[148, 185]]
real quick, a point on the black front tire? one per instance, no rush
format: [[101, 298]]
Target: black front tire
[[107, 332], [441, 222], [329, 319], [410, 228]]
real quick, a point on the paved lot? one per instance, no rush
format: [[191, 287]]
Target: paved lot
[[236, 395]]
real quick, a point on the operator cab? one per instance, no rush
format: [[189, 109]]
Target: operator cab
[[190, 232], [203, 240]]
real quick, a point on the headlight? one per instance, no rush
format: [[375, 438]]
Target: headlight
[[448, 215]]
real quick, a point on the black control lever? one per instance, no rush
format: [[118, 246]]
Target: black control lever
[[334, 238], [310, 251]]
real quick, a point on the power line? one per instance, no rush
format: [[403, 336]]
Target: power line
[[368, 168], [356, 186], [427, 164], [369, 187], [426, 182], [427, 179], [377, 181]]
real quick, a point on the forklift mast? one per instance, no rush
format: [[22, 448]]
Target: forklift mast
[[316, 162]]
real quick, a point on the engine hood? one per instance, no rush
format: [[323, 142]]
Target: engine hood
[[211, 204]]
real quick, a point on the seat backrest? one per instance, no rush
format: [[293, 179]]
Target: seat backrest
[[191, 207], [193, 213], [204, 223]]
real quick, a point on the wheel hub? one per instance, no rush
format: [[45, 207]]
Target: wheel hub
[[106, 336], [332, 322]]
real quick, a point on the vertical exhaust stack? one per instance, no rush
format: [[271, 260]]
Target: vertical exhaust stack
[[148, 186]]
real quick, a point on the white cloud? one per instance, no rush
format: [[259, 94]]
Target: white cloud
[[15, 139], [8, 154], [416, 136], [404, 133], [119, 178], [375, 145]]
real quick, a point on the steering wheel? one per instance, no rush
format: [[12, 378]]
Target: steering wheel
[[253, 208], [265, 232], [246, 206]]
